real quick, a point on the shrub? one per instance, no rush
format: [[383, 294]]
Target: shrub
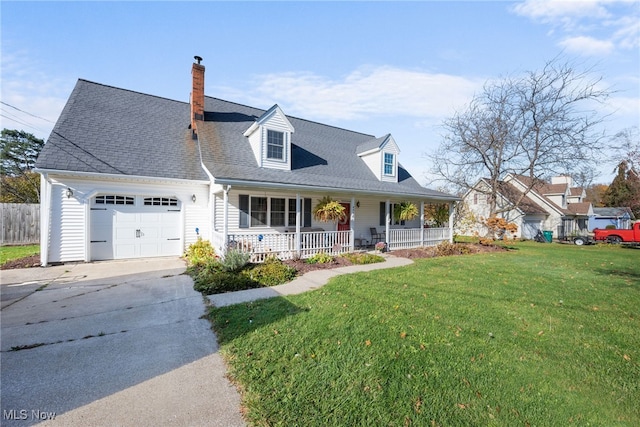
[[200, 252], [217, 281], [320, 258], [272, 272], [235, 260], [363, 258], [448, 249]]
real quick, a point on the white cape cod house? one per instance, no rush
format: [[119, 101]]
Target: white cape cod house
[[129, 175]]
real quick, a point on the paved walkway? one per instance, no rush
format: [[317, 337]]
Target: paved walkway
[[311, 280]]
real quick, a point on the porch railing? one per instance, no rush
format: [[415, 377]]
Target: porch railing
[[406, 238], [285, 245]]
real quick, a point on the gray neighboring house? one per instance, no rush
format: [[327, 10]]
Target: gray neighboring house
[[620, 218], [128, 175]]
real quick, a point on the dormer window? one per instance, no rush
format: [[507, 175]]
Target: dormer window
[[270, 139], [275, 145], [389, 164]]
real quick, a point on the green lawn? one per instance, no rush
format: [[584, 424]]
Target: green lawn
[[542, 335], [9, 253]]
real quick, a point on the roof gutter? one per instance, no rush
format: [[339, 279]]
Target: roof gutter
[[116, 176], [300, 187]]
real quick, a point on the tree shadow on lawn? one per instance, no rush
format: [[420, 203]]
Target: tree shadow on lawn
[[234, 321]]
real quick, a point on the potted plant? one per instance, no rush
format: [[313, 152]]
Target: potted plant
[[328, 210], [405, 211]]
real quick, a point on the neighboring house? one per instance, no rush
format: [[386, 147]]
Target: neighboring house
[[620, 218], [127, 175], [556, 206]]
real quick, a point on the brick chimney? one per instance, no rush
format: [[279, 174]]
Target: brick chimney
[[197, 94]]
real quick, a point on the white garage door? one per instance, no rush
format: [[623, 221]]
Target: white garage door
[[134, 227]]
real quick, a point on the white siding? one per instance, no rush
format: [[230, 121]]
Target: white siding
[[68, 234], [71, 217]]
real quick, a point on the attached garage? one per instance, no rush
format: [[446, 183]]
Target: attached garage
[[123, 226]]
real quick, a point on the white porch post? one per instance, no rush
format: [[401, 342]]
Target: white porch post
[[352, 221], [298, 220], [387, 221], [225, 219], [452, 211], [422, 223]]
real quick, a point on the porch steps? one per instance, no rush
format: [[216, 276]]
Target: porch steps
[[311, 280]]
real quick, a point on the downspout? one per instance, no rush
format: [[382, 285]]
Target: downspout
[[225, 226], [45, 208], [211, 201]]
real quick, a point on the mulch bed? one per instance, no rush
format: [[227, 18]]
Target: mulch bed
[[27, 262], [303, 267]]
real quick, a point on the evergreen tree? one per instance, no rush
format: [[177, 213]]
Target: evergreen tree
[[19, 151], [624, 190]]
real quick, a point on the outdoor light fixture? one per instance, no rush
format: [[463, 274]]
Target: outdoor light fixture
[[69, 193], [193, 198], [358, 203]]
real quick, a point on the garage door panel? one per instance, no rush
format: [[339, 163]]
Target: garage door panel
[[134, 231]]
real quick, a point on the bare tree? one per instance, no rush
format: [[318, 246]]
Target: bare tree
[[626, 145], [535, 125]]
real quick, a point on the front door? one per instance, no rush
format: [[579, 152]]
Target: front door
[[345, 224]]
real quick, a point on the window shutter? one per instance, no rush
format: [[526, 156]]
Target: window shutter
[[307, 213], [383, 213], [244, 211]]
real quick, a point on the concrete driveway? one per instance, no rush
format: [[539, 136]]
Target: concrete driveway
[[110, 343]]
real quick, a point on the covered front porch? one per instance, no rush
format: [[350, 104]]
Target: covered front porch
[[297, 234]]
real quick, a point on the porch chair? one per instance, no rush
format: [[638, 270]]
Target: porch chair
[[375, 236]]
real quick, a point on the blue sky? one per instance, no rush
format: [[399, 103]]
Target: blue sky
[[372, 67]]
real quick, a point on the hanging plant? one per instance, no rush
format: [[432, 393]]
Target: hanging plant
[[405, 211], [328, 210]]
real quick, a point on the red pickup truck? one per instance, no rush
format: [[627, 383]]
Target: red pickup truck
[[618, 236]]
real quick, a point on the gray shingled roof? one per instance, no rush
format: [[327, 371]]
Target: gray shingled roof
[[107, 130], [322, 155], [103, 129]]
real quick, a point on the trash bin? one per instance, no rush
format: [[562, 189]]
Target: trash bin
[[548, 235]]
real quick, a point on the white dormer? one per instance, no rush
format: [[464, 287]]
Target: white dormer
[[381, 156], [270, 139]]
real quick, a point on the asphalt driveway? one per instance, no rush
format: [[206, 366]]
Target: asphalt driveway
[[110, 343]]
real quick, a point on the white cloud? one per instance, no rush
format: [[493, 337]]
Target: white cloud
[[593, 27], [584, 45], [367, 91], [32, 99]]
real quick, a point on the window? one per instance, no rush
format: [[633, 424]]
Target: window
[[388, 164], [281, 212], [292, 212], [258, 211], [160, 201], [275, 145], [277, 212], [114, 200]]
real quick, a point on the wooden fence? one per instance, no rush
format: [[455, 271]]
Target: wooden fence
[[20, 223]]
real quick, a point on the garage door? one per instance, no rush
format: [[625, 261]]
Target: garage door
[[134, 227]]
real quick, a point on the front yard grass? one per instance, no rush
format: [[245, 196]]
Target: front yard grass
[[541, 335], [10, 253]]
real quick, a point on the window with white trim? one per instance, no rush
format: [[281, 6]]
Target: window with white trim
[[389, 164], [278, 212], [275, 145], [258, 211], [112, 199], [272, 212]]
